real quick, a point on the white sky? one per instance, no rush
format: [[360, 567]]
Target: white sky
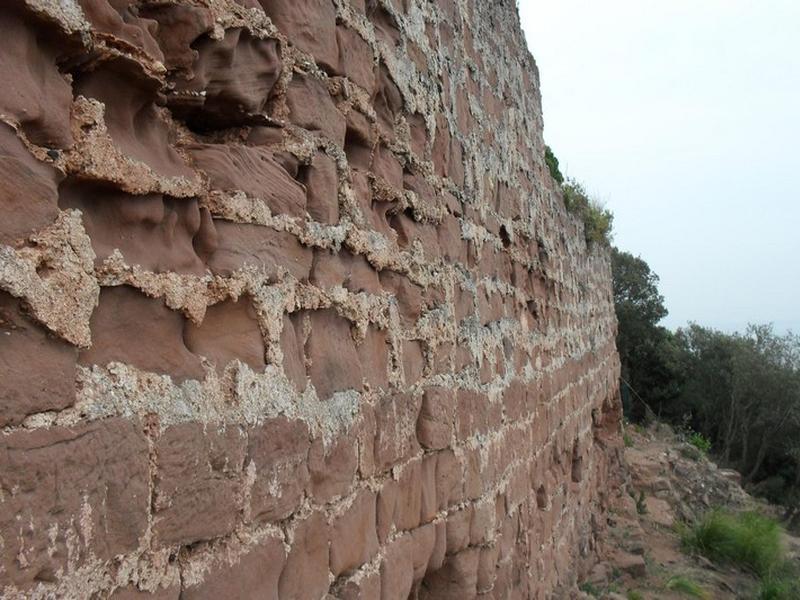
[[683, 117]]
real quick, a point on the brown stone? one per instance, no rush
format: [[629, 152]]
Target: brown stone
[[305, 575], [330, 347], [40, 97], [292, 342], [124, 314], [310, 24], [253, 576], [457, 579], [395, 438], [243, 244], [436, 418], [197, 483], [158, 233], [230, 79], [229, 331], [322, 185], [253, 170], [279, 451], [83, 488], [353, 536], [27, 189], [397, 569], [356, 58], [131, 116], [311, 107], [38, 369], [332, 468]]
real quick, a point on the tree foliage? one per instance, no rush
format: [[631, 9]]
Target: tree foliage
[[739, 390], [651, 358]]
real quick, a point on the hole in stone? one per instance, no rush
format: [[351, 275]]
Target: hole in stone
[[504, 236], [541, 498], [577, 463]]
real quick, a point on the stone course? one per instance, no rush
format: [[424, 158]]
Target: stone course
[[290, 307]]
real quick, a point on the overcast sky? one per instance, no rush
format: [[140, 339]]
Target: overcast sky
[[683, 117]]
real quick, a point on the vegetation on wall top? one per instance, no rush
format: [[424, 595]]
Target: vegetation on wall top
[[597, 220]]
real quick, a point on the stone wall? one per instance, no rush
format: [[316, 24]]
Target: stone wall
[[289, 306]]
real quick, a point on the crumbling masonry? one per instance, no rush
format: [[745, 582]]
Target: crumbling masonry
[[290, 307]]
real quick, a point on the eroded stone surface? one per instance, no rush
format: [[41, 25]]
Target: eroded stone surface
[[290, 307]]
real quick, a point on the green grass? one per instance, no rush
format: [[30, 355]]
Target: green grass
[[628, 440], [781, 587], [747, 540], [686, 586], [634, 595]]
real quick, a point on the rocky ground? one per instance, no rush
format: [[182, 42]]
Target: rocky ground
[[669, 482]]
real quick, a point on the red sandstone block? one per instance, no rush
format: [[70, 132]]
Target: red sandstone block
[[515, 401], [197, 483], [482, 525], [28, 189], [449, 479], [279, 450], [366, 588], [353, 535], [457, 579], [387, 167], [305, 576], [322, 188], [311, 107], [487, 568], [334, 362], [124, 314], [437, 413], [252, 576], [397, 569], [413, 361], [458, 529], [395, 435], [373, 355], [400, 502], [387, 101], [356, 58], [309, 24], [38, 369], [83, 487], [229, 331], [264, 248], [423, 542], [292, 347], [332, 469], [253, 170]]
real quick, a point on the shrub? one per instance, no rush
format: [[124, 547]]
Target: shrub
[[635, 595], [552, 165], [597, 220], [699, 441], [590, 588], [628, 440], [748, 540], [686, 586]]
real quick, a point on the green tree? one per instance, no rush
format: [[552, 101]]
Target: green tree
[[651, 356]]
